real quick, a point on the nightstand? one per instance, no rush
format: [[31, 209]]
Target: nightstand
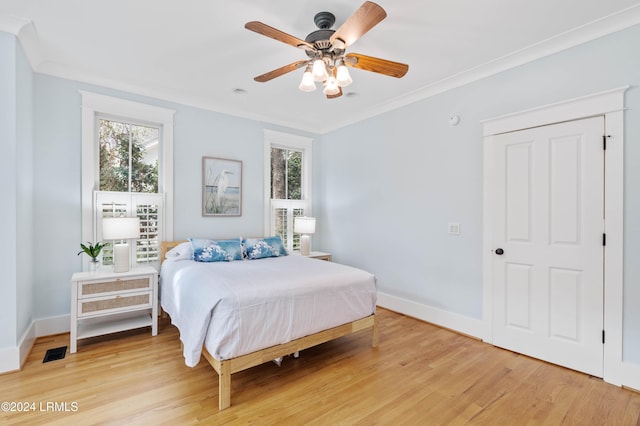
[[319, 255], [106, 302]]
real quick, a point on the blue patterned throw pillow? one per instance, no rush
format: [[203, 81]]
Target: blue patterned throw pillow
[[258, 248], [216, 251]]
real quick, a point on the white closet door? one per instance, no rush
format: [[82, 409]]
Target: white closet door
[[547, 221]]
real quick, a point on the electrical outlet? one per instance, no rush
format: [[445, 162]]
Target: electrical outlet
[[454, 228]]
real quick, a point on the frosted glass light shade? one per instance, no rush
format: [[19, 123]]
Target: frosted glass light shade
[[304, 225], [343, 77], [319, 70], [307, 84], [331, 86], [120, 228]]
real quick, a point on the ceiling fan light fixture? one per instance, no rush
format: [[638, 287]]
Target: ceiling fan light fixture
[[342, 75], [319, 70], [307, 84], [326, 51]]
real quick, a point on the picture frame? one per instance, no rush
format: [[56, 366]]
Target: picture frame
[[221, 187]]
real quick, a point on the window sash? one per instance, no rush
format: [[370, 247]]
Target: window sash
[[131, 125]]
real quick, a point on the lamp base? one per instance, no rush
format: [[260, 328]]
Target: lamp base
[[121, 258], [305, 245]]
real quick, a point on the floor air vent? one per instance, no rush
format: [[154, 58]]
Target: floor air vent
[[55, 354]]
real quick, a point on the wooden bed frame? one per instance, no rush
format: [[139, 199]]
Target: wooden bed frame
[[227, 367]]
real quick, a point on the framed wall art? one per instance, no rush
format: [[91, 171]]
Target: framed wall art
[[221, 187]]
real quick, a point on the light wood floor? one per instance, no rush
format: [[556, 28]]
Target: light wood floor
[[420, 374]]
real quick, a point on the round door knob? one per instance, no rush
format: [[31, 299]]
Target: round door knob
[[499, 251]]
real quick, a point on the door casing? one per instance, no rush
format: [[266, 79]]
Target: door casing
[[609, 104]]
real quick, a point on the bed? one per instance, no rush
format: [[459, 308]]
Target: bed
[[244, 313]]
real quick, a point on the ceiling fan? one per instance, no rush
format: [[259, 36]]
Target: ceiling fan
[[326, 49]]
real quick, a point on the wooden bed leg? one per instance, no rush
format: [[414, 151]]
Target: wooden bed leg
[[375, 338], [224, 386]]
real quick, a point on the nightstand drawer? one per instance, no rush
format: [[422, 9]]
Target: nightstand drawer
[[118, 303], [117, 285]]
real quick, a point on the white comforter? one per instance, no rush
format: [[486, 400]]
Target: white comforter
[[235, 308]]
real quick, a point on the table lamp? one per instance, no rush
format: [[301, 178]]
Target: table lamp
[[305, 226], [121, 229]]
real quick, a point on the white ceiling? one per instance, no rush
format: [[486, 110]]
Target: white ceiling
[[197, 52]]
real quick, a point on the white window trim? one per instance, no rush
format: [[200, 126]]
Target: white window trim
[[286, 140], [94, 105]]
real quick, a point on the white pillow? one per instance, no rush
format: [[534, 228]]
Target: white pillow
[[182, 251]]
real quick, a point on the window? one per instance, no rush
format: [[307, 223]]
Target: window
[[127, 151], [128, 156], [287, 184]]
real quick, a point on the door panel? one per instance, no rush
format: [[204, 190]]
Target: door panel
[[518, 197], [548, 218], [565, 289], [518, 296]]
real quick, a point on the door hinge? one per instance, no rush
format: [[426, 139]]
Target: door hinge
[[603, 336], [604, 142], [604, 239]]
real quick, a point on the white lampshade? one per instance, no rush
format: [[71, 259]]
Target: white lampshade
[[342, 76], [304, 225], [331, 86], [307, 84], [319, 70], [120, 228]]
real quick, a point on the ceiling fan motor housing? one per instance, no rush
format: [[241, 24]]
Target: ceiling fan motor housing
[[320, 38]]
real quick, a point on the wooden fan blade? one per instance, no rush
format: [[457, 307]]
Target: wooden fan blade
[[280, 71], [276, 34], [365, 18], [337, 95], [381, 66]]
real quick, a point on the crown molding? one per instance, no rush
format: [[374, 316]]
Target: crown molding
[[619, 21], [24, 30], [12, 24], [26, 34]]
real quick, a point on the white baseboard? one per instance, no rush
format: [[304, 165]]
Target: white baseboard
[[26, 343], [460, 323], [9, 360], [631, 375], [52, 325], [13, 358]]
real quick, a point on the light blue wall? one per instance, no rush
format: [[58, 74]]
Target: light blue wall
[[24, 192], [16, 191], [8, 235], [57, 175], [391, 184]]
